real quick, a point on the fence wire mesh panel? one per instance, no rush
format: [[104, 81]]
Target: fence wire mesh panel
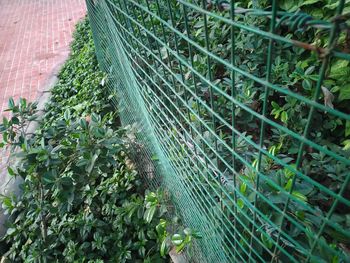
[[240, 110]]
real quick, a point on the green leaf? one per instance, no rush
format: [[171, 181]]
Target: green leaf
[[95, 118], [10, 231], [11, 103], [197, 234], [6, 202], [299, 196], [15, 120], [48, 177], [99, 132], [346, 144], [5, 122], [163, 248], [83, 124], [309, 2], [180, 247], [288, 5], [142, 251], [151, 197], [275, 105], [339, 69], [161, 228], [154, 158], [82, 162], [284, 116], [177, 239], [92, 163], [240, 203], [243, 188], [266, 240], [148, 216], [311, 69], [344, 93], [66, 181], [288, 185], [10, 171], [23, 103], [300, 215], [288, 172], [307, 84], [347, 128], [5, 136], [335, 259], [67, 115]]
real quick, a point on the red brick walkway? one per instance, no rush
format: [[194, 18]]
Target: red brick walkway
[[34, 41]]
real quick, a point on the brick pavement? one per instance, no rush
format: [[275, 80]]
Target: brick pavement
[[34, 42]]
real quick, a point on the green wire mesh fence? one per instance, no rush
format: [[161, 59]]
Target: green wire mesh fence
[[240, 110]]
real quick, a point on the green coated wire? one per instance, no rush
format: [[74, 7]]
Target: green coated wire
[[250, 186], [240, 222], [262, 174], [284, 129], [233, 114], [169, 130], [240, 71], [264, 111], [325, 62], [255, 30], [272, 123], [332, 42], [175, 123]]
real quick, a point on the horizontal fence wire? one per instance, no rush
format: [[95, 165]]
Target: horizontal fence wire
[[239, 111]]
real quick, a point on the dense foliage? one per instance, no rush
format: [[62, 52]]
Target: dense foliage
[[165, 51], [82, 200]]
